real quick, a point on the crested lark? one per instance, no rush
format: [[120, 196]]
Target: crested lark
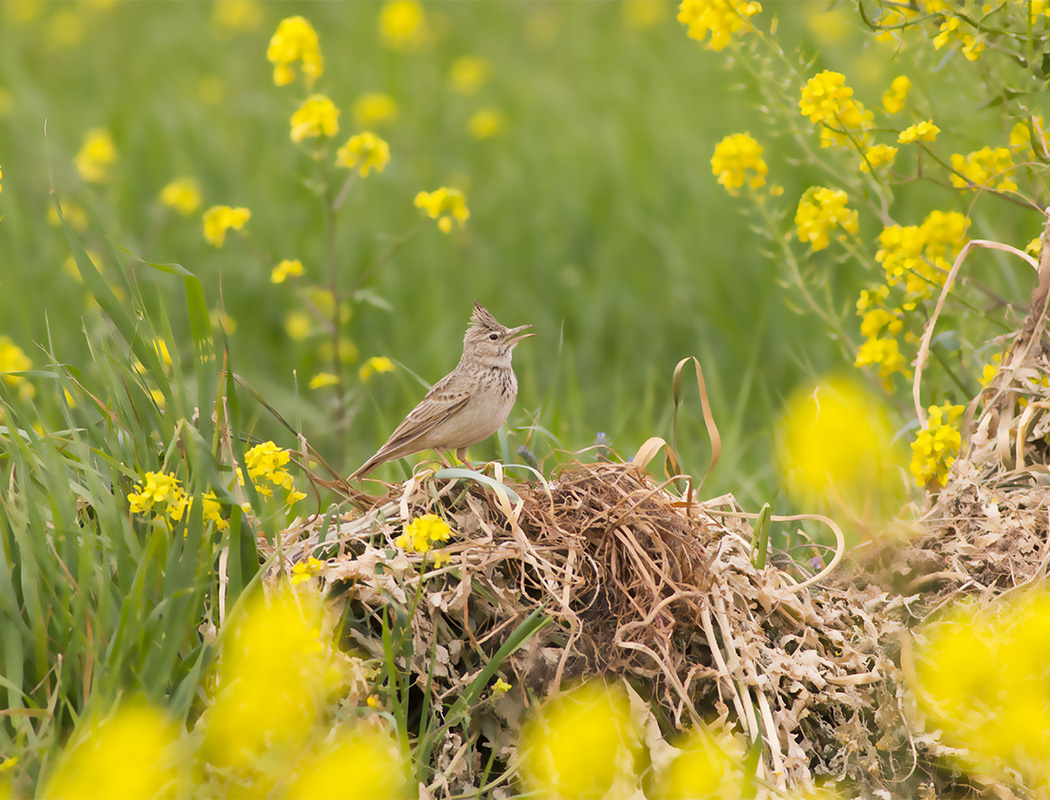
[[468, 404]]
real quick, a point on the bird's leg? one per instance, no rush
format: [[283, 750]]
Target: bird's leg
[[461, 454]]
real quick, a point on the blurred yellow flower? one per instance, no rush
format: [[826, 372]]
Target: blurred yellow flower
[[221, 321], [421, 533], [877, 156], [1021, 135], [348, 352], [486, 122], [989, 167], [183, 195], [134, 752], [295, 40], [97, 154], [304, 571], [705, 767], [7, 102], [719, 18], [317, 116], [366, 151], [821, 210], [734, 157], [642, 14], [403, 26], [373, 365], [592, 716], [935, 447], [469, 74], [884, 353], [1, 178], [219, 219], [322, 379], [236, 16], [894, 97], [374, 108], [286, 269], [298, 325], [972, 46], [371, 756], [14, 359], [443, 204], [924, 131], [72, 211]]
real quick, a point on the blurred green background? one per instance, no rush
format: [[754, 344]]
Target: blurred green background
[[594, 213]]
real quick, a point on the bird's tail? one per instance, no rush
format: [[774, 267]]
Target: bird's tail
[[362, 471]]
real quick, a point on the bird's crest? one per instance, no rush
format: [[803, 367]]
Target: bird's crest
[[481, 318]]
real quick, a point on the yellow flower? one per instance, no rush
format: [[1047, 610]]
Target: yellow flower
[[160, 495], [236, 16], [1, 178], [820, 211], [500, 686], [443, 204], [991, 369], [972, 46], [421, 533], [219, 219], [366, 151], [373, 365], [877, 156], [317, 116], [267, 461], [1021, 135], [894, 97], [303, 572], [643, 14], [824, 96], [734, 156], [469, 74], [936, 445], [295, 40], [369, 754], [72, 211], [97, 154], [14, 359], [486, 122], [287, 268], [719, 18], [403, 26], [322, 379], [298, 325], [988, 167], [924, 131], [183, 195], [374, 108]]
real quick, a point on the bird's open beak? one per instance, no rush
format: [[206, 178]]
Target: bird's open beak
[[515, 335]]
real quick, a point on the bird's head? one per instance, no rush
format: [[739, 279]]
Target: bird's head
[[488, 342]]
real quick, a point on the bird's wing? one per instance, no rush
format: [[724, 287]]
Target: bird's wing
[[444, 399]]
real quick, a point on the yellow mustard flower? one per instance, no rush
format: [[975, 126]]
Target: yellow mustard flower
[[884, 354], [850, 128], [469, 74], [304, 571], [374, 108], [295, 41], [936, 446], [870, 298], [921, 255], [444, 204], [286, 269], [734, 158], [267, 461], [96, 155], [211, 510], [373, 365], [989, 167], [421, 533], [486, 123], [298, 325], [500, 686], [1021, 136], [1038, 8], [924, 131], [877, 156], [991, 369], [14, 359], [317, 116], [183, 195], [403, 26], [236, 16], [719, 18], [159, 494], [219, 219], [972, 46], [365, 151], [72, 211], [821, 210], [368, 753], [824, 96], [322, 380], [894, 97]]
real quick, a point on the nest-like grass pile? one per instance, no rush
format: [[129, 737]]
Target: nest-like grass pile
[[641, 584]]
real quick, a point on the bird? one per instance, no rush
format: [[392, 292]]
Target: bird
[[466, 406]]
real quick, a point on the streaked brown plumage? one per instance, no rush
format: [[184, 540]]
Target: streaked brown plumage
[[466, 406]]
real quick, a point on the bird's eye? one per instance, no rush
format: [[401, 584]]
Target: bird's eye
[[493, 336]]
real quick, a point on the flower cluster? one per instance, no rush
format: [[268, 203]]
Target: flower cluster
[[734, 157], [14, 359], [924, 131], [288, 268], [374, 108], [403, 26], [444, 204], [894, 97], [304, 571], [183, 195], [317, 116], [828, 101], [365, 151], [422, 532], [719, 18], [96, 155], [820, 211], [920, 255], [219, 219], [295, 41], [160, 495], [951, 32], [469, 74], [989, 167], [936, 446], [373, 365], [267, 461], [878, 155]]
